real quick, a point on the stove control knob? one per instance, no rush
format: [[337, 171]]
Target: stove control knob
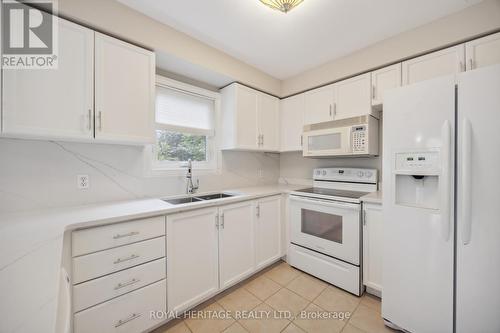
[[368, 174], [360, 174], [318, 172], [323, 173]]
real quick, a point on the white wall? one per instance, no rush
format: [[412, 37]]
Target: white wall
[[42, 174]]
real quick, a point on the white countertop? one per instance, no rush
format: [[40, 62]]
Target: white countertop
[[31, 245], [374, 197]]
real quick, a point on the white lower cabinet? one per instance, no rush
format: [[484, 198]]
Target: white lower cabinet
[[211, 249], [192, 265], [268, 230], [373, 229], [236, 242], [129, 313]]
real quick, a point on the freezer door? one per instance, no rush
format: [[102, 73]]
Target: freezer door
[[418, 247], [478, 209]]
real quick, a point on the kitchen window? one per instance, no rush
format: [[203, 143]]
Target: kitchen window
[[185, 126]]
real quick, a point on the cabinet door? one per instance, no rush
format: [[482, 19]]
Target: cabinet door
[[385, 79], [192, 258], [372, 246], [269, 122], [292, 123], [483, 51], [441, 63], [247, 134], [54, 103], [124, 91], [353, 97], [268, 235], [236, 243], [319, 105]]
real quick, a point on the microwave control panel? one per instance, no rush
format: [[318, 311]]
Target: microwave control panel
[[359, 138]]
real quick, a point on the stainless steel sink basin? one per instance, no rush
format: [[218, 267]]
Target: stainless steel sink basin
[[214, 196], [184, 200]]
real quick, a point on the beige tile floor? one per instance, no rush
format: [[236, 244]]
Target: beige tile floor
[[299, 296]]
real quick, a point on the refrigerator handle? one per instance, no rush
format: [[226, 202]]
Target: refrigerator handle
[[466, 181], [446, 180]]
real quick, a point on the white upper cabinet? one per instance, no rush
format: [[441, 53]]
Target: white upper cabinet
[[250, 119], [124, 91], [352, 97], [384, 79], [483, 51], [236, 243], [292, 123], [54, 103], [268, 230], [445, 62], [319, 105], [269, 122]]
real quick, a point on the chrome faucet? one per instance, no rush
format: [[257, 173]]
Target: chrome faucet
[[191, 188]]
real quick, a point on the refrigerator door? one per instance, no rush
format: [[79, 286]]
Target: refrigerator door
[[418, 242], [478, 193]]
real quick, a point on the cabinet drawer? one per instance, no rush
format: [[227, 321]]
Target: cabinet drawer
[[107, 287], [101, 263], [127, 313], [101, 238]]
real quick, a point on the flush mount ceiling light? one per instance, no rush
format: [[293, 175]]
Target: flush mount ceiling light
[[282, 5]]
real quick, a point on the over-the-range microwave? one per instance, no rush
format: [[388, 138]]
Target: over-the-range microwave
[[357, 136]]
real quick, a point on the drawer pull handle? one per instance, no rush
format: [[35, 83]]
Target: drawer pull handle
[[126, 284], [126, 320], [120, 260], [133, 233]]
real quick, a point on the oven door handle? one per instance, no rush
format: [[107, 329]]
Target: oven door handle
[[331, 203]]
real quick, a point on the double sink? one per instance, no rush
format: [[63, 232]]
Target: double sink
[[185, 200]]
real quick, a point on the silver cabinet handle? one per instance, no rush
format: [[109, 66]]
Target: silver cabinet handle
[[461, 67], [130, 234], [90, 119], [257, 210], [471, 63], [217, 221], [301, 140], [262, 139], [126, 320], [374, 92], [222, 221], [364, 217], [335, 109], [126, 284], [120, 260], [330, 112], [99, 116]]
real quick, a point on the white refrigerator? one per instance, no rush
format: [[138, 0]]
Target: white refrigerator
[[441, 185]]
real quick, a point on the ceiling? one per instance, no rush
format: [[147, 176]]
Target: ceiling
[[284, 45]]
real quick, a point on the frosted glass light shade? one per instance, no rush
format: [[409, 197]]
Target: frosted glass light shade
[[282, 5]]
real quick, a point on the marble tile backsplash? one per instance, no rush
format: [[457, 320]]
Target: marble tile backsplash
[[43, 174]]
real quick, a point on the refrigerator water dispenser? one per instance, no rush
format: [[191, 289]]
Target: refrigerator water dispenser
[[417, 179]]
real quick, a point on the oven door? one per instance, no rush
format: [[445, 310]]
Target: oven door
[[330, 227], [327, 142]]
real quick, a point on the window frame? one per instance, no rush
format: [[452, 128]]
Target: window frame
[[213, 151]]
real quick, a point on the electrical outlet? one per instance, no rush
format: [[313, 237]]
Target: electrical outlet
[[261, 173], [83, 181]]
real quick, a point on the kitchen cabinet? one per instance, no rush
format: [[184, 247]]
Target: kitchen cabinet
[[54, 103], [292, 123], [319, 105], [269, 122], [250, 119], [483, 51], [236, 242], [382, 80], [352, 97], [268, 230], [444, 62], [124, 91], [372, 247], [192, 252]]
